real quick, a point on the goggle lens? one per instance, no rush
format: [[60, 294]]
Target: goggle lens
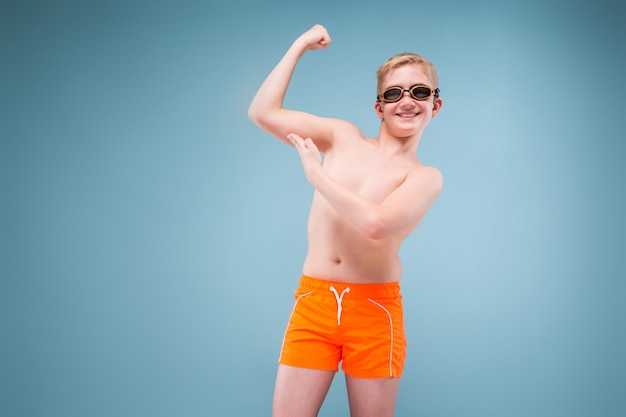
[[393, 94], [420, 92]]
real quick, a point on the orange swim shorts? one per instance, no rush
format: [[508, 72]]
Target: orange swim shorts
[[360, 325]]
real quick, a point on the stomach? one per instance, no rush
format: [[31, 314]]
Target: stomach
[[345, 270], [341, 253]]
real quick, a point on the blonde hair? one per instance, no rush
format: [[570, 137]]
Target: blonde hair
[[406, 58]]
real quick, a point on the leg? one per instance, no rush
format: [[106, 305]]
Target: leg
[[372, 397], [300, 392]]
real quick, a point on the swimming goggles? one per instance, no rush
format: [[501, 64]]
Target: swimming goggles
[[418, 92]]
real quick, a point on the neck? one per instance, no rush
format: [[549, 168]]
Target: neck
[[393, 144]]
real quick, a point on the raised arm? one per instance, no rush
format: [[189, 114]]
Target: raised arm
[[266, 109], [403, 209]]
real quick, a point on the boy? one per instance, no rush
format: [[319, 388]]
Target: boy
[[370, 193]]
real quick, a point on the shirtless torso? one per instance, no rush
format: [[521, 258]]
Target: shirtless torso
[[338, 250]]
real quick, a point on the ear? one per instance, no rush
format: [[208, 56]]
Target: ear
[[437, 106], [378, 108]]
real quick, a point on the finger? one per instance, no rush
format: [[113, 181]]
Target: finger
[[310, 144], [295, 140]]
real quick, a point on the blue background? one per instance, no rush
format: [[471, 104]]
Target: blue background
[[152, 236]]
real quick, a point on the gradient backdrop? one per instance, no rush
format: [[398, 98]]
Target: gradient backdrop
[[152, 237]]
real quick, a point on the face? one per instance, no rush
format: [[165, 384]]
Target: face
[[407, 116]]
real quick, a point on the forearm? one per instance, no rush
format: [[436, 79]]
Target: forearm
[[266, 107], [271, 94], [361, 212]]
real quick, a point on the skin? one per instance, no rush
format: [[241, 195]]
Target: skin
[[370, 194]]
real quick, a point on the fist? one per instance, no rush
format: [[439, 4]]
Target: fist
[[316, 38]]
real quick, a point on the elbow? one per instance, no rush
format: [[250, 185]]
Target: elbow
[[375, 227], [253, 114], [260, 117], [257, 112]]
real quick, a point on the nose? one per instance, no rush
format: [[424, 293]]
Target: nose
[[406, 97]]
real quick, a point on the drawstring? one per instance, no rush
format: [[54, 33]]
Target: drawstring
[[339, 300]]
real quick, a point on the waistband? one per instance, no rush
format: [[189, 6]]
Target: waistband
[[359, 290]]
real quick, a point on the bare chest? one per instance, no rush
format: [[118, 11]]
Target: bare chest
[[367, 172]]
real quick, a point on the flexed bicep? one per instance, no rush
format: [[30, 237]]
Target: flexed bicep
[[282, 122]]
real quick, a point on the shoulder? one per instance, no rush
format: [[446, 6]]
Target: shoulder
[[342, 127], [428, 179], [427, 171], [344, 132]]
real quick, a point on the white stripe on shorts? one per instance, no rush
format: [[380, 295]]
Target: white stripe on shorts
[[391, 334]]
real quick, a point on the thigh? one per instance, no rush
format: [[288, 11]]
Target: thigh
[[372, 397], [300, 392], [374, 339], [310, 338]]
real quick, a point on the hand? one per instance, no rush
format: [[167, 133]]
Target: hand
[[315, 38], [309, 154]]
